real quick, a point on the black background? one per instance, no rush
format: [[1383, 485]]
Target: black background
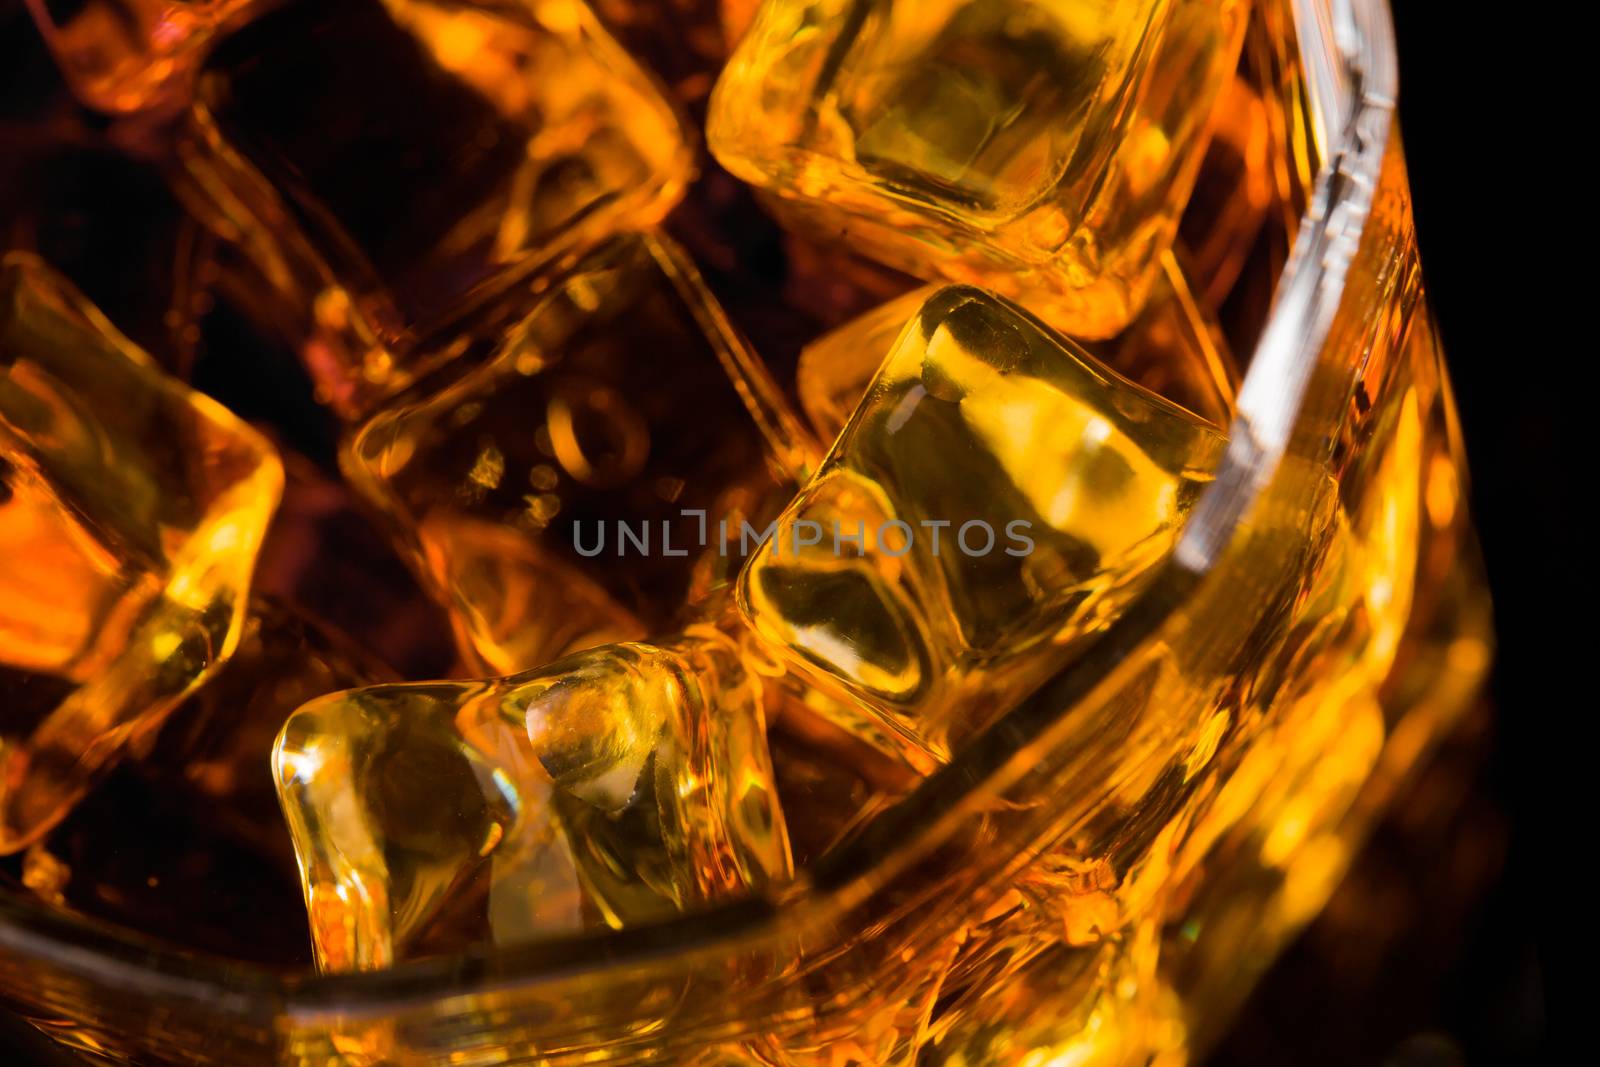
[[1484, 207]]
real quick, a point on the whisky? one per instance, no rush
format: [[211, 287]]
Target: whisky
[[109, 222], [127, 56], [554, 495], [392, 166], [329, 559], [186, 840], [811, 793]]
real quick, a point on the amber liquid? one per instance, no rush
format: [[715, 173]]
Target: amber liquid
[[437, 190], [130, 56], [514, 481], [319, 128]]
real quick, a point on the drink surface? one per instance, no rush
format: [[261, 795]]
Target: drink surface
[[544, 491], [111, 224], [185, 841]]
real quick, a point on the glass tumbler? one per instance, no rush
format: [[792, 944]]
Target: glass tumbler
[[1185, 795]]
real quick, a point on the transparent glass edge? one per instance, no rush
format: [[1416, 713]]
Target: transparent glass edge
[[1358, 101]]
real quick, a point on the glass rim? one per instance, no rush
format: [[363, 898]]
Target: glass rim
[[1347, 49]]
